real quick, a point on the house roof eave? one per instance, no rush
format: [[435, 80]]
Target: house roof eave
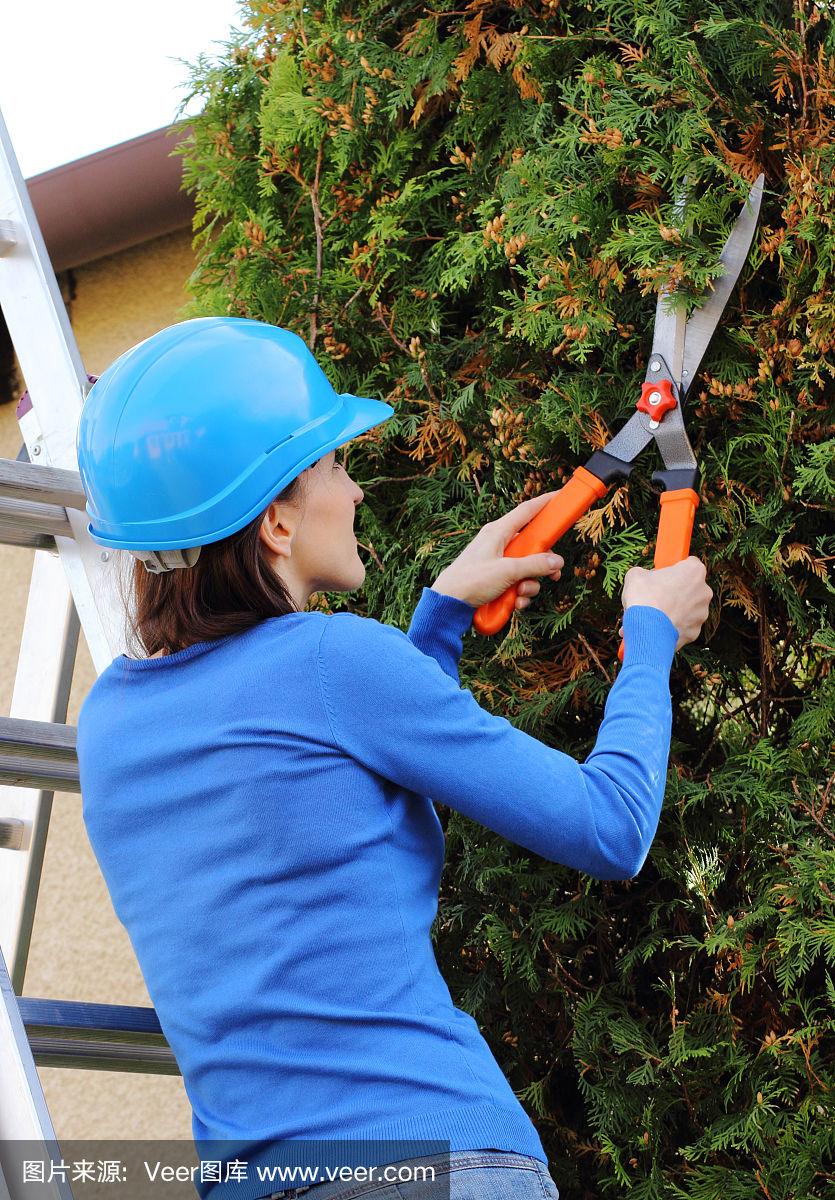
[[116, 198]]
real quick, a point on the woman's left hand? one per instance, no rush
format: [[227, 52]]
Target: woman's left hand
[[481, 572]]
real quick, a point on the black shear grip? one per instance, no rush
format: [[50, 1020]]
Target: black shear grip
[[677, 477]]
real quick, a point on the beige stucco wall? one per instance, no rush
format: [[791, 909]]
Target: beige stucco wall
[[79, 950]]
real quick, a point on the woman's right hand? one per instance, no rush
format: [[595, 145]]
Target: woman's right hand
[[680, 591]]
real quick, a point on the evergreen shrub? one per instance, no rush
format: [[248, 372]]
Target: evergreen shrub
[[469, 213]]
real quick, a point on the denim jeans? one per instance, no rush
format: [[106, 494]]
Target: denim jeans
[[459, 1175]]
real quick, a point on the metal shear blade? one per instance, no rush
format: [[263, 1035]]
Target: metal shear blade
[[680, 346]]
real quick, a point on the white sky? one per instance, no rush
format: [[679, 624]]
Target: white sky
[[78, 77]]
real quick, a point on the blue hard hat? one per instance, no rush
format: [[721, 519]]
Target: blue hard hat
[[189, 435]]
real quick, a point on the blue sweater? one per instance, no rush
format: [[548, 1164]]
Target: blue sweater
[[261, 810]]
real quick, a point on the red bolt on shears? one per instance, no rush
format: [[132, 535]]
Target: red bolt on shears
[[677, 351]]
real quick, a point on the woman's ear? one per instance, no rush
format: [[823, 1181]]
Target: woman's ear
[[277, 529]]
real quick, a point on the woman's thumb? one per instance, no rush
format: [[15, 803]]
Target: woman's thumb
[[531, 565], [523, 513]]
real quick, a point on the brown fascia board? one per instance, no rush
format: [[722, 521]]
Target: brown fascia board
[[113, 199]]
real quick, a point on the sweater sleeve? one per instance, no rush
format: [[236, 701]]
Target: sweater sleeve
[[439, 623], [396, 711]]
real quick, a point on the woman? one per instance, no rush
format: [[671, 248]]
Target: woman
[[256, 785]]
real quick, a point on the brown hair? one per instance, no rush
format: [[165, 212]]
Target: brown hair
[[230, 588]]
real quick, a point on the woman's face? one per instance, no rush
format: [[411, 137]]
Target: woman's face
[[313, 547]]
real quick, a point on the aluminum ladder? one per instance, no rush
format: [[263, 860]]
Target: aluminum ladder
[[73, 585]]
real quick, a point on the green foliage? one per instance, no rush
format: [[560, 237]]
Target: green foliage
[[469, 213]]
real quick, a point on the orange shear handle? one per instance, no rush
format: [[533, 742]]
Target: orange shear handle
[[675, 528], [571, 501]]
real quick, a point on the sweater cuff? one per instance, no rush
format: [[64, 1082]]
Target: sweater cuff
[[435, 611], [649, 637]]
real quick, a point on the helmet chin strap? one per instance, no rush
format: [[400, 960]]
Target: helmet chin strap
[[157, 561]]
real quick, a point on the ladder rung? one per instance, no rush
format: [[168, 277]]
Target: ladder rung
[[33, 503], [97, 1037], [11, 535], [39, 754], [12, 833], [45, 485], [32, 516], [101, 1056]]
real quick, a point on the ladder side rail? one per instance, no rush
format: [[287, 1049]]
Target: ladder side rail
[[24, 1116], [41, 692], [57, 383]]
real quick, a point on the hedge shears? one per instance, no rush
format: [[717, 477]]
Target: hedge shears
[[678, 347]]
